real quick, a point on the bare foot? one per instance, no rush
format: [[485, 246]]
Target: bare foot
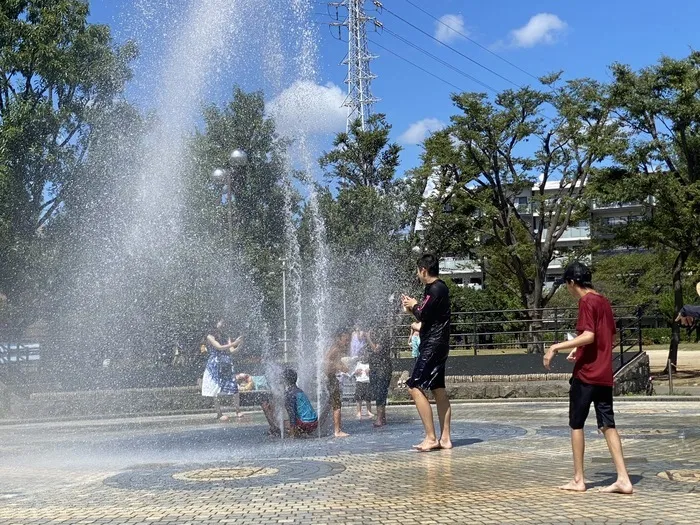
[[618, 487], [429, 446], [341, 434], [370, 415], [420, 445], [223, 419], [574, 486], [445, 443], [359, 415]]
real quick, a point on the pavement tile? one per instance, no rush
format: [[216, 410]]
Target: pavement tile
[[508, 459]]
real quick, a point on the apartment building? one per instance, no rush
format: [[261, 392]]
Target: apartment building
[[468, 271]]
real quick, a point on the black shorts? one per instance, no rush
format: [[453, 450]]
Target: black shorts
[[582, 395], [380, 387], [429, 370], [363, 392]]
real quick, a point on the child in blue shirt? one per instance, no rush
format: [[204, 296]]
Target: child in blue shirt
[[302, 416]]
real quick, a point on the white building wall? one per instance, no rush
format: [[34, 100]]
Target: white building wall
[[468, 272]]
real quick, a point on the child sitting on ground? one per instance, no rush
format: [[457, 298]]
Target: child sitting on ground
[[248, 383], [302, 416]]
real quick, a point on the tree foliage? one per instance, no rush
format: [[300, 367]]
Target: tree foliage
[[366, 219], [496, 150], [57, 72], [659, 107], [258, 198]]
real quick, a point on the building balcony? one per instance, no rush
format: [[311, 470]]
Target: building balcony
[[607, 206], [459, 265], [573, 234], [559, 263]]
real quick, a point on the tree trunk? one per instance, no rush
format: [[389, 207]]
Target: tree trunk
[[535, 343], [677, 305]]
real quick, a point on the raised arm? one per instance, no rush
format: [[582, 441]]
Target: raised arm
[[213, 342]]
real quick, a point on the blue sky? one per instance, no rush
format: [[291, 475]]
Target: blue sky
[[540, 36]]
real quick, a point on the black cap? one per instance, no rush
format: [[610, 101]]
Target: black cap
[[578, 273]]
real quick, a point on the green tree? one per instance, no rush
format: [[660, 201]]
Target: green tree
[[57, 72], [659, 108], [88, 287], [494, 151], [258, 200], [366, 220]]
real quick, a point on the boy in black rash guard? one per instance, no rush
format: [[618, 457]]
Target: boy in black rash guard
[[429, 371]]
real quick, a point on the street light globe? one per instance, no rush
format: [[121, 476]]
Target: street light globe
[[218, 175], [416, 249], [238, 157]]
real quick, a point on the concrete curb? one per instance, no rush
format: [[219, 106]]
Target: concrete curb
[[525, 400]]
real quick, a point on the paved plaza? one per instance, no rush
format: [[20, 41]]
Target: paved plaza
[[508, 459]]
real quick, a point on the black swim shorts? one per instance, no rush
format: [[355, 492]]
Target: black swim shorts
[[429, 369], [582, 395]]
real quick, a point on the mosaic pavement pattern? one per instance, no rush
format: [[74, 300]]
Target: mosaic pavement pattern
[[507, 460]]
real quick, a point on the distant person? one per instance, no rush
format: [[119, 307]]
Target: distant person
[[357, 342], [592, 380], [302, 416], [363, 392], [219, 379], [429, 371], [690, 313], [414, 339], [336, 363], [178, 356], [380, 369]]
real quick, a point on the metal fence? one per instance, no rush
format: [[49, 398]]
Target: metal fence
[[479, 333], [514, 331]]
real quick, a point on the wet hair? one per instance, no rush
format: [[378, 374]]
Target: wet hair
[[340, 332], [289, 376], [430, 263]]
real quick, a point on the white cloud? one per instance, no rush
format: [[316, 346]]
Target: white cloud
[[543, 28], [309, 107], [456, 25], [419, 131]]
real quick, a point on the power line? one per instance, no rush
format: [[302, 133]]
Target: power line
[[417, 66], [438, 59], [473, 41], [451, 48], [359, 79]]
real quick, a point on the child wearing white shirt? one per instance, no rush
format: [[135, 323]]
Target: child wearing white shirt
[[363, 392]]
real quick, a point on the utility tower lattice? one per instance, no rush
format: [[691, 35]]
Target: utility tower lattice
[[359, 80]]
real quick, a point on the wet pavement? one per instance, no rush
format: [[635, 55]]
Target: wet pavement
[[508, 459]]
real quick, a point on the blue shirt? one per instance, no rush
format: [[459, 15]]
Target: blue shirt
[[415, 345], [298, 406]]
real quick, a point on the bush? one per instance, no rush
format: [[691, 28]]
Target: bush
[[656, 336]]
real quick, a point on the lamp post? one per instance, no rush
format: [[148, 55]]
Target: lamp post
[[285, 339], [238, 158]]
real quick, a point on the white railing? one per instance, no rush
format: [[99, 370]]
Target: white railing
[[615, 205], [459, 264]]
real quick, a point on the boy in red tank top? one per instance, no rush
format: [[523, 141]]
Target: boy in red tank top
[[592, 380]]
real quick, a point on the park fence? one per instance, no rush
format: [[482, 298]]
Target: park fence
[[523, 331], [30, 363]]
